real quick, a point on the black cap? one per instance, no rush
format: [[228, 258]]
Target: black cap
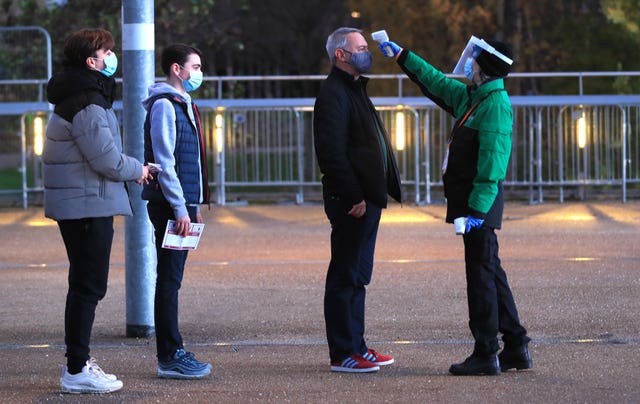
[[492, 65]]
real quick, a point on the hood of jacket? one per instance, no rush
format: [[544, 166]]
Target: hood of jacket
[[73, 81], [163, 88]]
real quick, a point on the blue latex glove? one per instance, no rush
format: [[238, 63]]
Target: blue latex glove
[[390, 49], [473, 223]]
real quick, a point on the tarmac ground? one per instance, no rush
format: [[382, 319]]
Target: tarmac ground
[[251, 304]]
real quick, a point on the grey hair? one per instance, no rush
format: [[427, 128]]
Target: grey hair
[[338, 40]]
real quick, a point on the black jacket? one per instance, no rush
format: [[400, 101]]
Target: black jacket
[[349, 137]]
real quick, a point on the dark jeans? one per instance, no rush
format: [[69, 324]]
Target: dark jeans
[[88, 243], [352, 247], [170, 270], [491, 305]]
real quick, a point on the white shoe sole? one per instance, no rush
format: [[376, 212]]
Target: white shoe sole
[[89, 390], [354, 370]]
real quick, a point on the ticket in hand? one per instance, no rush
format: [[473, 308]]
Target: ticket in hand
[[154, 168]]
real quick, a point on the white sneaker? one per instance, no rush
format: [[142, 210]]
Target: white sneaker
[[92, 363], [91, 379]]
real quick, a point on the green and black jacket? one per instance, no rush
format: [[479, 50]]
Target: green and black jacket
[[480, 142]]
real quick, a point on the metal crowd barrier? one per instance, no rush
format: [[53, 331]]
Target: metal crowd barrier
[[564, 147], [560, 144]]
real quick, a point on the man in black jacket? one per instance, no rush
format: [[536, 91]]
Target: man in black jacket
[[359, 170]]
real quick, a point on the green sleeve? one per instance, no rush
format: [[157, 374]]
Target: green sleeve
[[450, 94], [494, 138]]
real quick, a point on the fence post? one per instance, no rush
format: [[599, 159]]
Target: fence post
[[624, 153], [416, 153], [300, 160], [220, 135], [427, 158]]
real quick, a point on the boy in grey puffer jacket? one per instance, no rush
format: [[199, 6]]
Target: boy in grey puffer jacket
[[84, 175]]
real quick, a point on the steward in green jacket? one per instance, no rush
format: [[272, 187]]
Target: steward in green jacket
[[479, 144], [473, 170]]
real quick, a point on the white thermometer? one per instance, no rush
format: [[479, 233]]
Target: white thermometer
[[380, 37]]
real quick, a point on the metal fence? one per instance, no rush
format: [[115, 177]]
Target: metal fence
[[564, 147]]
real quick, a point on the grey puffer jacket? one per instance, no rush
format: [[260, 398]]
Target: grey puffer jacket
[[84, 167]]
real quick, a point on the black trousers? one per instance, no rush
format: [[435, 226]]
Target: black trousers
[[491, 305], [88, 243], [170, 271], [352, 248]]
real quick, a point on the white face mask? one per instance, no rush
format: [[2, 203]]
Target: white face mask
[[468, 69]]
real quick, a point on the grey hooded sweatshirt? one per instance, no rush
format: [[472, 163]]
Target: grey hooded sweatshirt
[[163, 138]]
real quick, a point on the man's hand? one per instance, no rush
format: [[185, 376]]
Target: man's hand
[[358, 209], [182, 225], [146, 176]]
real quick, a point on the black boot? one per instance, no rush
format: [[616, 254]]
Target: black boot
[[477, 365], [515, 358]]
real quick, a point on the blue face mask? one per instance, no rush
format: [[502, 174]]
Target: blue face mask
[[361, 61], [110, 64], [468, 69], [195, 79]]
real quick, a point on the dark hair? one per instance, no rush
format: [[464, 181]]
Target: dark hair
[[80, 45], [176, 53]]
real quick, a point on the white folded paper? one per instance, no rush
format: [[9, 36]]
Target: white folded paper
[[173, 241]]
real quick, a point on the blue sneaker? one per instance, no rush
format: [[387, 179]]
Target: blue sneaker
[[184, 365]]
